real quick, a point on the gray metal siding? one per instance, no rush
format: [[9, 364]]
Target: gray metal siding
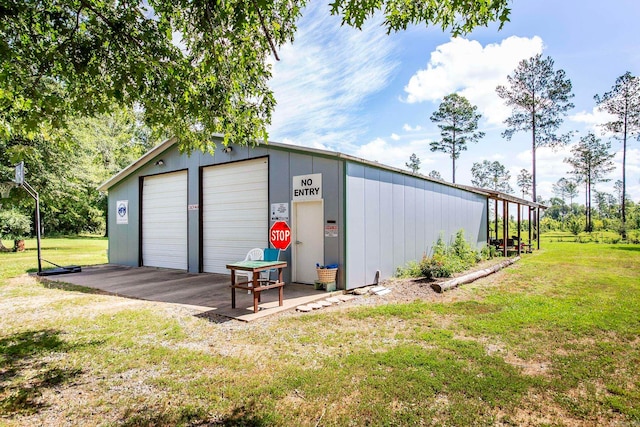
[[394, 218], [283, 165]]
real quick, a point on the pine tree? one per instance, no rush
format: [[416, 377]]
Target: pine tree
[[458, 123], [539, 97]]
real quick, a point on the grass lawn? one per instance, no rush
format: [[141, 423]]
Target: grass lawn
[[553, 340]]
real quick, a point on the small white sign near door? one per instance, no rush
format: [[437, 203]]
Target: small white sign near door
[[307, 187], [279, 211], [122, 212]]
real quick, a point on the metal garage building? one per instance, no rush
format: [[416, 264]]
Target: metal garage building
[[201, 212]]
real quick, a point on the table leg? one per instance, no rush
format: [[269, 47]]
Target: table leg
[[233, 289], [256, 293]]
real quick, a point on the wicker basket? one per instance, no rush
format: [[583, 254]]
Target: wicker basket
[[326, 275]]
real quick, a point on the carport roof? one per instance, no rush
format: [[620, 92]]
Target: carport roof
[[160, 148]]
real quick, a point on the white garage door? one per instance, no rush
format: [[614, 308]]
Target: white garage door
[[235, 212], [164, 221]]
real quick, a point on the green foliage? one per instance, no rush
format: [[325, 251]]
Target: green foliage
[[14, 225], [445, 260], [413, 163], [591, 162], [623, 103], [67, 166], [62, 58], [458, 123], [411, 269], [492, 175], [575, 226], [539, 98]]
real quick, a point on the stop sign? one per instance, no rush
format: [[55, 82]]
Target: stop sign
[[280, 235]]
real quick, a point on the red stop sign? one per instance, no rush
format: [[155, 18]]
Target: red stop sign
[[280, 235]]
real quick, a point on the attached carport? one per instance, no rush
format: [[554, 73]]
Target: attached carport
[[206, 293]]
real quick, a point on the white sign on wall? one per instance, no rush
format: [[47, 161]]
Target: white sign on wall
[[279, 211], [122, 212], [307, 187]]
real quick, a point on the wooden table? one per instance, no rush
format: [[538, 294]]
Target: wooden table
[[256, 285]]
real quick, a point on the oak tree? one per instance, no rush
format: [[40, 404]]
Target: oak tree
[[194, 68]]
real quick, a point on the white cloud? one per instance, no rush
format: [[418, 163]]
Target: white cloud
[[408, 128], [324, 77], [397, 154], [593, 120], [395, 136], [465, 67]]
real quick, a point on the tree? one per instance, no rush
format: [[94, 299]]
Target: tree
[[491, 175], [566, 188], [193, 68], [413, 163], [524, 182], [539, 98], [435, 175], [67, 165], [623, 101], [458, 123], [591, 161]]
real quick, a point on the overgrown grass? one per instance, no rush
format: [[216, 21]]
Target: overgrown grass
[[552, 340]]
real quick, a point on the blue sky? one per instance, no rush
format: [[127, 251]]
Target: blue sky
[[370, 94]]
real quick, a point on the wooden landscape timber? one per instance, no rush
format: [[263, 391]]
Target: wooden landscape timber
[[468, 278]]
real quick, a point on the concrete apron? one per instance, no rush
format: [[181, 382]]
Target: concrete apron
[[204, 293]]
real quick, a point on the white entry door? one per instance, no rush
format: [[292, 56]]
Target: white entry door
[[308, 243]]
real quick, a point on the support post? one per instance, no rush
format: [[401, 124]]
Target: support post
[[530, 243], [496, 218], [505, 226], [538, 226], [519, 220]]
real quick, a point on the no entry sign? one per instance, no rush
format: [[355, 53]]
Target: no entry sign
[[280, 235]]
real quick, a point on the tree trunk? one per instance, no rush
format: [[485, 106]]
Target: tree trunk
[[624, 177], [468, 278]]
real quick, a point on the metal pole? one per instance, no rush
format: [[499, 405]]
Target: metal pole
[[33, 193]]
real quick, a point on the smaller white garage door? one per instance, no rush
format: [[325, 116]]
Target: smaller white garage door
[[235, 212], [164, 221]]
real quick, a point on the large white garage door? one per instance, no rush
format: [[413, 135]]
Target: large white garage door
[[164, 221], [235, 212]]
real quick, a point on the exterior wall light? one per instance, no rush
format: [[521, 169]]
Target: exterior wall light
[[160, 162], [227, 149]]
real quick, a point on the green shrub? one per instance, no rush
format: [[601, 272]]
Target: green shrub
[[575, 227], [411, 269], [448, 260], [14, 225]]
